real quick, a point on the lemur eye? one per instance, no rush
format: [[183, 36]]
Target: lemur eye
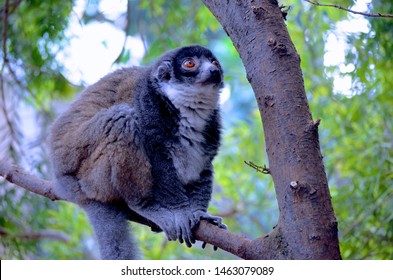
[[188, 63], [216, 63]]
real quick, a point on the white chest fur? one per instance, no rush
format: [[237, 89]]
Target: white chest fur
[[195, 108]]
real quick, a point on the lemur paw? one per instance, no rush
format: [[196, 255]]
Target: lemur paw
[[215, 220], [179, 226]]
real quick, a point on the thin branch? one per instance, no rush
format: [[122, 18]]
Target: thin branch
[[16, 175], [10, 6], [22, 86], [5, 61], [263, 169], [126, 29], [206, 232], [316, 3], [4, 33]]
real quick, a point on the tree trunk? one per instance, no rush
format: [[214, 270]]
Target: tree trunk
[[307, 227]]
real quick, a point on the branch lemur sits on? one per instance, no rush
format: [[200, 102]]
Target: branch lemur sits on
[[143, 138]]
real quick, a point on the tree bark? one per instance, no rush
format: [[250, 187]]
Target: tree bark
[[307, 227]]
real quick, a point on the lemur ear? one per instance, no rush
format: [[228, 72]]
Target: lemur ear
[[163, 72]]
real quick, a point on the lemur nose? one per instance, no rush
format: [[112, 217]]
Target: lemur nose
[[215, 75], [214, 71]]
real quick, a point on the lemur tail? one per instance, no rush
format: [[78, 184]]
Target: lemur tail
[[112, 231]]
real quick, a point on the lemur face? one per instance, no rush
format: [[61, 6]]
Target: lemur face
[[191, 74], [197, 66]]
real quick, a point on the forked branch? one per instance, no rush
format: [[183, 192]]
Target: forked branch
[[316, 3]]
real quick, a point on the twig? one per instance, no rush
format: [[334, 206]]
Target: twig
[[4, 109], [316, 3], [4, 33], [11, 7], [126, 29], [263, 169], [21, 85]]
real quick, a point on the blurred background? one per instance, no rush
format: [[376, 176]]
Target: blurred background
[[51, 50]]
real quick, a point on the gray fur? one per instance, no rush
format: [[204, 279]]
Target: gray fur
[[189, 158], [112, 231], [143, 137]]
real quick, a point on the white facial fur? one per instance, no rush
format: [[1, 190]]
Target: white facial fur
[[195, 103]]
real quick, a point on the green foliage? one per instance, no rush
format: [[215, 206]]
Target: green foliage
[[33, 227], [77, 232], [175, 23], [30, 77], [34, 36], [366, 144]]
